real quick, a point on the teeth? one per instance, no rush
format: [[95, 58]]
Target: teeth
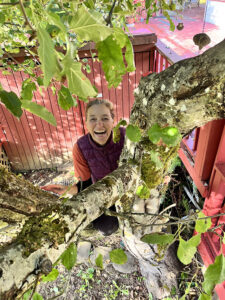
[[100, 132]]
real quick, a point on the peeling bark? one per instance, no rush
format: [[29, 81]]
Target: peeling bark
[[188, 94]]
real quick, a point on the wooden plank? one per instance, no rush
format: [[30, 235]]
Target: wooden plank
[[119, 109], [29, 127], [10, 145], [17, 129], [138, 64], [126, 108]]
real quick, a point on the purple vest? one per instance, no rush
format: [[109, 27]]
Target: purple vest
[[101, 160]]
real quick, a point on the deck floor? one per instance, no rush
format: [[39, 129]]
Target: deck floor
[[180, 42]]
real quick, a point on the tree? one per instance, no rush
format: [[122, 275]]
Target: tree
[[188, 94]]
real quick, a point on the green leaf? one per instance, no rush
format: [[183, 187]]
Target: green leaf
[[39, 111], [202, 225], [69, 256], [65, 99], [37, 296], [12, 103], [2, 18], [78, 83], [40, 81], [204, 296], [187, 249], [27, 89], [214, 274], [55, 19], [99, 261], [154, 133], [158, 238], [116, 131], [124, 42], [133, 133], [170, 136], [143, 192], [47, 55], [118, 256], [51, 276], [88, 26], [110, 53], [156, 159], [26, 295]]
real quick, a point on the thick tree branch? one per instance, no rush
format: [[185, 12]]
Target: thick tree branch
[[188, 94]]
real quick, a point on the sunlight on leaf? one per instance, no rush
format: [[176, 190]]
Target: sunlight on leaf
[[143, 192], [51, 276], [69, 257], [39, 111], [133, 133], [99, 261], [187, 249], [118, 256], [158, 238], [202, 225]]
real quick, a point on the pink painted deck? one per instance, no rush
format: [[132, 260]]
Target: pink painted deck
[[178, 44]]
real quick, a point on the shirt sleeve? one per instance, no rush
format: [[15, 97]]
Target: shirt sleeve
[[81, 169]]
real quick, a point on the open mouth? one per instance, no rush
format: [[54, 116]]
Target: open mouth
[[100, 132]]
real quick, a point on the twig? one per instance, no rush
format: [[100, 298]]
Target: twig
[[25, 16], [35, 285], [109, 17], [167, 208]]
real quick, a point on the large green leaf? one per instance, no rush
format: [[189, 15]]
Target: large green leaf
[[187, 249], [133, 133], [65, 99], [202, 225], [158, 238], [214, 274], [69, 256], [110, 53], [27, 89], [47, 55], [124, 42], [88, 26], [12, 103], [118, 256], [39, 111], [78, 83]]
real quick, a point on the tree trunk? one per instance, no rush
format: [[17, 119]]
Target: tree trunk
[[35, 224]]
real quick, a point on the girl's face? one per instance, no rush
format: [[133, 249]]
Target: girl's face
[[99, 123]]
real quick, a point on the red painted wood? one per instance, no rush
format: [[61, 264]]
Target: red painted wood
[[206, 149], [43, 145], [125, 84]]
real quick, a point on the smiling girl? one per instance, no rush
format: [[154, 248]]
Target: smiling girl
[[95, 155]]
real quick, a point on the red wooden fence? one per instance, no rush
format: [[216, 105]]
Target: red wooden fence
[[31, 143]]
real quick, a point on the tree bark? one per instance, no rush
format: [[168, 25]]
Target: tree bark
[[34, 224]]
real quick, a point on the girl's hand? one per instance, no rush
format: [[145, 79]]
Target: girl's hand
[[55, 188]]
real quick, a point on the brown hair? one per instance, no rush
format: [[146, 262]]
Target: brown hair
[[107, 103]]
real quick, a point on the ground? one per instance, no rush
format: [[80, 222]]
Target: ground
[[85, 281]]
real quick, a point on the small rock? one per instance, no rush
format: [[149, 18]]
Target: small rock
[[105, 253], [129, 267], [83, 251]]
